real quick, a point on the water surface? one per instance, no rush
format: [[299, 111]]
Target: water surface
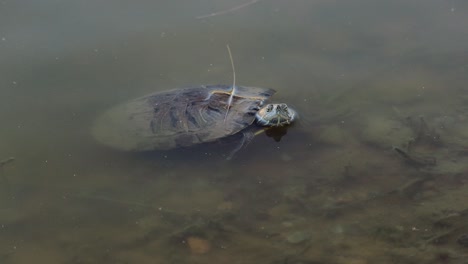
[[365, 76]]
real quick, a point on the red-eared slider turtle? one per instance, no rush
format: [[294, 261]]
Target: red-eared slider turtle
[[188, 116]]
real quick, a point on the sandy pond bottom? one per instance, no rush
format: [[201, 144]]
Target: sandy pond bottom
[[339, 193]]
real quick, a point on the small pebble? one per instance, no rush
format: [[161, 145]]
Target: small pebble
[[198, 245]]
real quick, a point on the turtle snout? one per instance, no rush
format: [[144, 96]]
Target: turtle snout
[[275, 115]]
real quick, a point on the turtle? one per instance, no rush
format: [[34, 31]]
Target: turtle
[[189, 116]]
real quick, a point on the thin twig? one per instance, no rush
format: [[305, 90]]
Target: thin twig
[[231, 96], [223, 12]]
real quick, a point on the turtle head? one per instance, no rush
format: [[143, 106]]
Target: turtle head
[[275, 115]]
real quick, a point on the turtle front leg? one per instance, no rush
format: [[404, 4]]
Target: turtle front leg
[[247, 137]]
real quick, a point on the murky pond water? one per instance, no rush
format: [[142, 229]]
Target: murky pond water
[[375, 170]]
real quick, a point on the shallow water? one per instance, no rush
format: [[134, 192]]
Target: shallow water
[[365, 76]]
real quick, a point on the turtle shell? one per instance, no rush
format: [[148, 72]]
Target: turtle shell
[[179, 118]]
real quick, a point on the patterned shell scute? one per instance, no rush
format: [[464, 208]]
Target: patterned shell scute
[[179, 118]]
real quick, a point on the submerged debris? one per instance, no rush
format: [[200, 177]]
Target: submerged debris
[[463, 240], [6, 161], [424, 136], [423, 133], [418, 160]]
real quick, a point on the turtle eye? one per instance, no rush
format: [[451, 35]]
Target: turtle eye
[[269, 108]]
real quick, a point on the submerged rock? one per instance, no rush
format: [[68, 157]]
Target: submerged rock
[[298, 237]]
